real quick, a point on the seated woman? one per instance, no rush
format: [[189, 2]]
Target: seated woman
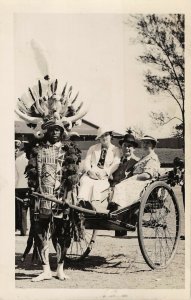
[[101, 161], [128, 159], [129, 191]]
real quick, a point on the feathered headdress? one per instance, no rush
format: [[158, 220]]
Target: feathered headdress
[[42, 107]]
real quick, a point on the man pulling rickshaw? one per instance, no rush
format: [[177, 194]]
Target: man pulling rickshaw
[[53, 167]]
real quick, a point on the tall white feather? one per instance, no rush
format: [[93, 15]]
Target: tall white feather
[[40, 58]]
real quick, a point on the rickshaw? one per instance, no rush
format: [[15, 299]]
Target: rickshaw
[[156, 217]]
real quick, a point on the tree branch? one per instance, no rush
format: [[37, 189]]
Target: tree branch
[[171, 120], [165, 52], [174, 74], [170, 92]]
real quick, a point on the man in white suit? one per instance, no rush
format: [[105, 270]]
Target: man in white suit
[[101, 161]]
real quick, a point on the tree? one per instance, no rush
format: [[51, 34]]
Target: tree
[[163, 37], [163, 118], [137, 131]]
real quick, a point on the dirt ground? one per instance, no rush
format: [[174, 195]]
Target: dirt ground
[[114, 263]]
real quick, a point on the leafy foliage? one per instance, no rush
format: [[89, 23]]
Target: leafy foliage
[[163, 38], [136, 131]]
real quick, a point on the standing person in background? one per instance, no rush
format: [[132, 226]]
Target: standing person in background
[[17, 147], [21, 188], [101, 161], [17, 204]]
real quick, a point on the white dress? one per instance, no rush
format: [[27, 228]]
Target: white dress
[[129, 191], [94, 190]]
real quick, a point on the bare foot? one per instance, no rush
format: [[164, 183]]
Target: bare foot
[[62, 276], [42, 276]]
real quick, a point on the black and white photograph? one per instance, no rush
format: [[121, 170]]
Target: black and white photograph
[[99, 149]]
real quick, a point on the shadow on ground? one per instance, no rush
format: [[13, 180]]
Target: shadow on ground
[[29, 265], [114, 264]]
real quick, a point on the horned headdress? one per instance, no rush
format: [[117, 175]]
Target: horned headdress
[[42, 106]]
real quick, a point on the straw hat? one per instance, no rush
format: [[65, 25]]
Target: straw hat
[[149, 138], [102, 130]]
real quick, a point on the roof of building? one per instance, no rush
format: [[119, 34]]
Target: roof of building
[[86, 128]]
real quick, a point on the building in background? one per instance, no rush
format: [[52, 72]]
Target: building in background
[[87, 133]]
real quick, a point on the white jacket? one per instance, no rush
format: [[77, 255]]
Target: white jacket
[[20, 165], [112, 158]]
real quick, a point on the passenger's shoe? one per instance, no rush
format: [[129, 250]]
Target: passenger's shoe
[[112, 206], [120, 233], [85, 204]]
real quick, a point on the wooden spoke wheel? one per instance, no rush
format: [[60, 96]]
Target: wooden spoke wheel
[[82, 239], [159, 225]]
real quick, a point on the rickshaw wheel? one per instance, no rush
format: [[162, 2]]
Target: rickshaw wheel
[[82, 239], [159, 225]]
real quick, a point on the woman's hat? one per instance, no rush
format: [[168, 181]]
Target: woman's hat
[[129, 138], [103, 130], [149, 138]]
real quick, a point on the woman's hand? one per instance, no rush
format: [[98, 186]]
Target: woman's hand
[[92, 174], [143, 176], [101, 174], [111, 177]]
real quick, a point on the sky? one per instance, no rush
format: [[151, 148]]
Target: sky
[[94, 53]]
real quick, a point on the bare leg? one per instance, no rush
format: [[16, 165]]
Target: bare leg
[[62, 232], [61, 253], [46, 274], [41, 229]]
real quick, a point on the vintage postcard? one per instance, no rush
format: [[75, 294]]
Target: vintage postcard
[[95, 163]]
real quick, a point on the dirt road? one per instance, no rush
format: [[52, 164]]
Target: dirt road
[[126, 269]]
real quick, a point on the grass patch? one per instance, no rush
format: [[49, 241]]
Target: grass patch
[[166, 155]]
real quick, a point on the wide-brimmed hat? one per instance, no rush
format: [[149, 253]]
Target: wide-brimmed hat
[[149, 138], [129, 138], [102, 130]]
